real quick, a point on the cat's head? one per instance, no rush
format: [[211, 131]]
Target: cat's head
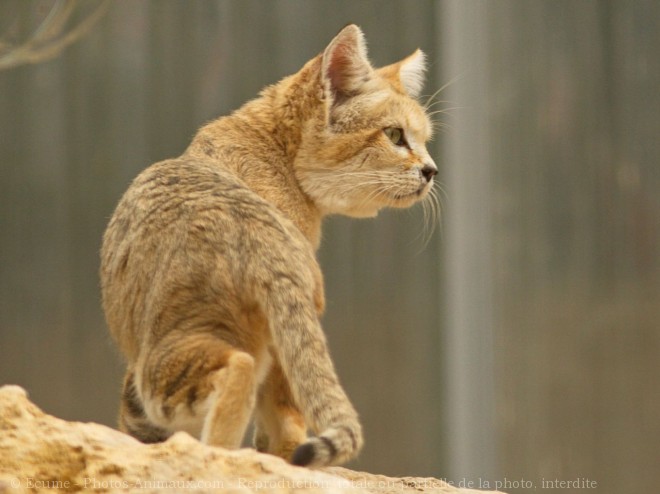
[[366, 147]]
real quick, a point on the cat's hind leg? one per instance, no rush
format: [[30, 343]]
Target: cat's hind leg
[[199, 384], [232, 402]]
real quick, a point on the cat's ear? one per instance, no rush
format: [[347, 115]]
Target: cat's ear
[[345, 65], [408, 74], [412, 73]]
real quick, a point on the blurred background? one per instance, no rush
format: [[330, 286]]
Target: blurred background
[[520, 345]]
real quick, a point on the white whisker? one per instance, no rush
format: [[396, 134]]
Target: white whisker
[[449, 83]]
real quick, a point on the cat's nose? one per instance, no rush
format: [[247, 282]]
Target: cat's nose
[[429, 170]]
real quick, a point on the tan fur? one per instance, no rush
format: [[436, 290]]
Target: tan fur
[[209, 278]]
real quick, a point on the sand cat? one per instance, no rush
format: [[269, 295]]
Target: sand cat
[[210, 283]]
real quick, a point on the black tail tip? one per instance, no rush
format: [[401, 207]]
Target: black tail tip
[[303, 455]]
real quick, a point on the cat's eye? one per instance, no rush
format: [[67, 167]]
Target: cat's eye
[[395, 135]]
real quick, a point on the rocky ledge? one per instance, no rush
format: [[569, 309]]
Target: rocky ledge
[[41, 453]]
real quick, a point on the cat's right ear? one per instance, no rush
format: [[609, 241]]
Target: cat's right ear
[[345, 66]]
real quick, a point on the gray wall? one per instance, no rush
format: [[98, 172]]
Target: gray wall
[[553, 242], [522, 342]]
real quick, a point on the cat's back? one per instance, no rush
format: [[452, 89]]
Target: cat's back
[[168, 203], [175, 246], [176, 189]]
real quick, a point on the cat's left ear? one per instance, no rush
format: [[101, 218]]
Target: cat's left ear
[[408, 74], [345, 66]]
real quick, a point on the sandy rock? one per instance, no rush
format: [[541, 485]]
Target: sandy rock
[[41, 453]]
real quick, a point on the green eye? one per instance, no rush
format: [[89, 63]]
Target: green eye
[[395, 135]]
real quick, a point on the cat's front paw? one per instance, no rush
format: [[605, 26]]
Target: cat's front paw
[[282, 448], [286, 449], [261, 441]]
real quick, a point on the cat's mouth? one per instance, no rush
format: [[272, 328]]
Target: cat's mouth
[[408, 197]]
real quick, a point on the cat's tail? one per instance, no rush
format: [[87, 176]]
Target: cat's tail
[[303, 354]]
